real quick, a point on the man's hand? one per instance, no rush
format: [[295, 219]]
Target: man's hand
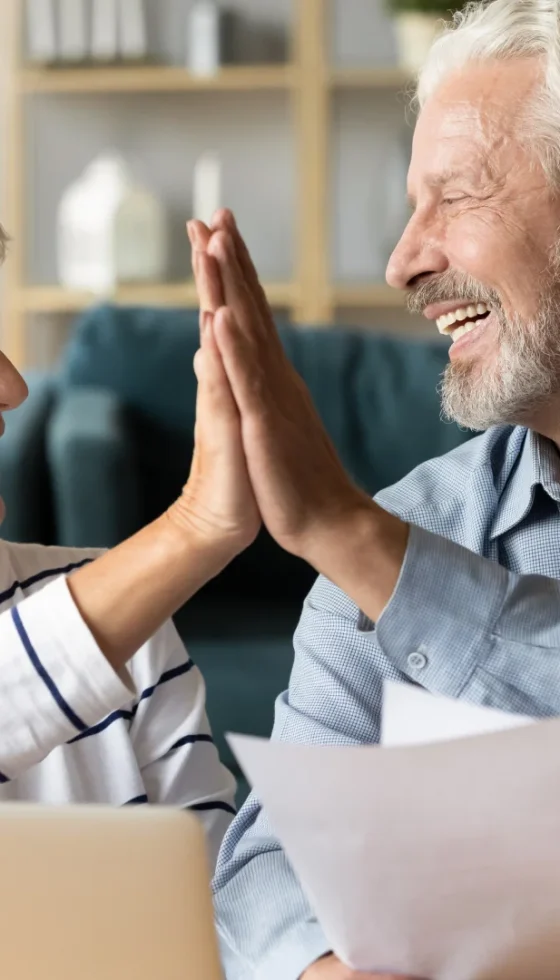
[[330, 968], [217, 504]]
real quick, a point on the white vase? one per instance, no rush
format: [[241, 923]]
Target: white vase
[[109, 230], [415, 34]]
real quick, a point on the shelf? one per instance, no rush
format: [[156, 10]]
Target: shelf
[[369, 78], [366, 295], [154, 79], [56, 299]]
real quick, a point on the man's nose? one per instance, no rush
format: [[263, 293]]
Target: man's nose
[[415, 255], [13, 389]]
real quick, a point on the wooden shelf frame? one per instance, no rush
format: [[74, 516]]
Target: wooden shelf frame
[[153, 78], [56, 299], [308, 80]]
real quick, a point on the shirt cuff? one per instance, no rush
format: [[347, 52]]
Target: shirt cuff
[[56, 681], [295, 954], [437, 627]]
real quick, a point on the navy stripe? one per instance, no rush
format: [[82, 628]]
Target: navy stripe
[[136, 800], [129, 715], [169, 675], [216, 805], [190, 740], [47, 573], [96, 729], [3, 778], [47, 680]]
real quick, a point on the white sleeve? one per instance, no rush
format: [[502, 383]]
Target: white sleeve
[[172, 738], [54, 679]]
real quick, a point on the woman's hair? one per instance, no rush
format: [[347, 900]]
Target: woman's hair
[[505, 30]]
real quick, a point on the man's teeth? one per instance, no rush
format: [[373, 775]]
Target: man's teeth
[[465, 317]]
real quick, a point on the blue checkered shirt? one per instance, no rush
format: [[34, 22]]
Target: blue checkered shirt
[[475, 615]]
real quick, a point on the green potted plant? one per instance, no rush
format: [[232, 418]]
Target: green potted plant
[[417, 23]]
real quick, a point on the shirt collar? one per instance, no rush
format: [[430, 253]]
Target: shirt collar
[[537, 464]]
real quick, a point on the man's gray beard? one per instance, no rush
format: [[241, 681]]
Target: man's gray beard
[[525, 373]]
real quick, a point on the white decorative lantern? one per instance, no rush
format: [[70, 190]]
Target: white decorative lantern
[[110, 230]]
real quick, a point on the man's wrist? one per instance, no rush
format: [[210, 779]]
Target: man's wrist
[[362, 552]]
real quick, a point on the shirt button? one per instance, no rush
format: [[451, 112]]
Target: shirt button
[[417, 661]]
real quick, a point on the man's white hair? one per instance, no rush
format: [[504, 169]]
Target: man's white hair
[[507, 30]]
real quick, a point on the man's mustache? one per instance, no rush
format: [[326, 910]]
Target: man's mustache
[[449, 286]]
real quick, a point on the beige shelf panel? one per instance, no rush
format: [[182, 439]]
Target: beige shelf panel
[[369, 78], [366, 295], [154, 78], [56, 299]]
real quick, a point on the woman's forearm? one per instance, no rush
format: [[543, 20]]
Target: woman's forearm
[[128, 593]]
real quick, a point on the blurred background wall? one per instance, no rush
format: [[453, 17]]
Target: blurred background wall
[[162, 135]]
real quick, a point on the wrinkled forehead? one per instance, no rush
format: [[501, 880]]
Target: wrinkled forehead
[[472, 122]]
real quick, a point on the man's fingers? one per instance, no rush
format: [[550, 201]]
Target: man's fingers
[[244, 370], [224, 220], [236, 293]]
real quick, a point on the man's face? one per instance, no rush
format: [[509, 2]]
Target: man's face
[[480, 254]]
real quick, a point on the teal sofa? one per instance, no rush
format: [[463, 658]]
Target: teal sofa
[[112, 444]]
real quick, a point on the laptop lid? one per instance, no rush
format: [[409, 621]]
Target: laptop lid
[[104, 894]]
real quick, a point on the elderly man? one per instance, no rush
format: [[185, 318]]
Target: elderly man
[[450, 579]]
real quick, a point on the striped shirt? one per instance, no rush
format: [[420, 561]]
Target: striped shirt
[[72, 730], [475, 615]]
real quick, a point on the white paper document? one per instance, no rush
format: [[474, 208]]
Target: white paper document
[[438, 860], [413, 716]]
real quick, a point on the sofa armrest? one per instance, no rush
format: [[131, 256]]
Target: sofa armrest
[[24, 475], [91, 456]]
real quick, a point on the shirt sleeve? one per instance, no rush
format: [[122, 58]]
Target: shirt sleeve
[[172, 740], [55, 682], [464, 626]]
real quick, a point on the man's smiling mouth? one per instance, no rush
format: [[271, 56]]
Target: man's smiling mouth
[[462, 320]]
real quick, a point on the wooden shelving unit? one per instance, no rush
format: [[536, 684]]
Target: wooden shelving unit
[[309, 80], [55, 299]]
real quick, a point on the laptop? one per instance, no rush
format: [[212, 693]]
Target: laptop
[[104, 894]]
